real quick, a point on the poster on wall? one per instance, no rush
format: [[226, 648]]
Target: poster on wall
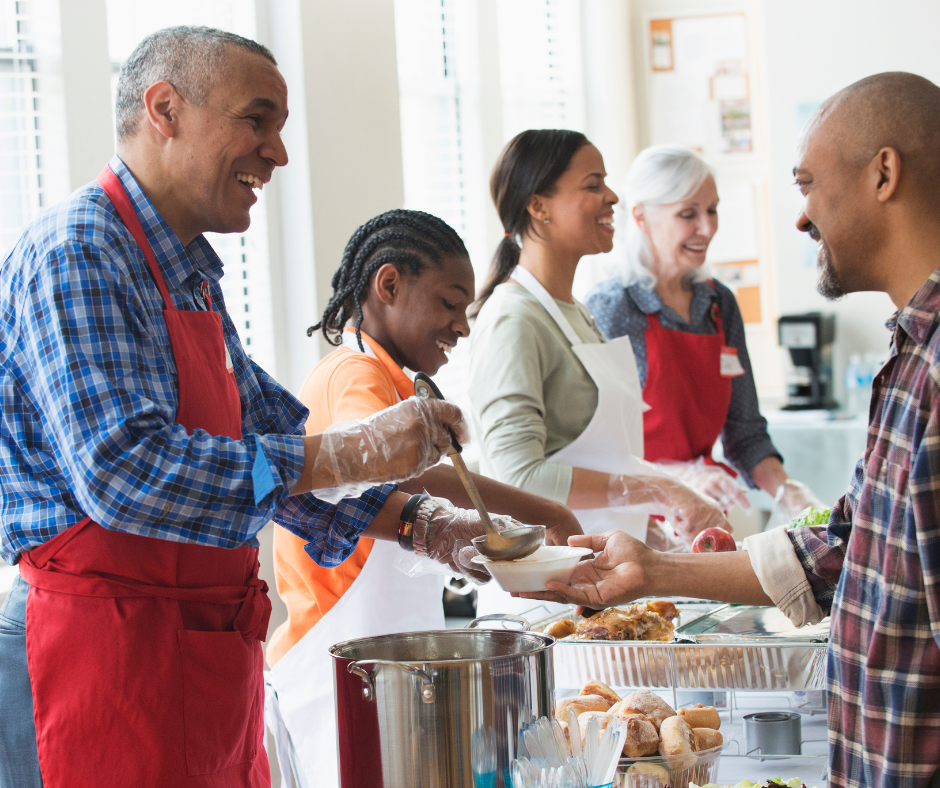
[[701, 96], [700, 83]]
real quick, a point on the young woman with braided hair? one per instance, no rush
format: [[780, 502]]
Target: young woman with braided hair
[[399, 301], [559, 410]]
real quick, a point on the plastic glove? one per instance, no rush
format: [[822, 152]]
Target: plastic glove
[[449, 533], [711, 480], [689, 511], [450, 530], [392, 445], [792, 498]]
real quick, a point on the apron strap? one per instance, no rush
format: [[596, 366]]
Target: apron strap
[[116, 192], [534, 286]]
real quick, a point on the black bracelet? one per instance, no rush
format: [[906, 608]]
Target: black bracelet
[[406, 522]]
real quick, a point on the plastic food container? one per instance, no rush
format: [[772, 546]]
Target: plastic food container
[[672, 771], [534, 571]]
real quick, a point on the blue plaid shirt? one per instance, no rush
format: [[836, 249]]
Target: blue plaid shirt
[[89, 397]]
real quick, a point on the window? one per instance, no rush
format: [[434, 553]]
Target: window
[[246, 284], [441, 48], [540, 65], [33, 155]]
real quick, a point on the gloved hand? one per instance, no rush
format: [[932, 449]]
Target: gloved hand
[[711, 480], [392, 445], [792, 498], [688, 511], [450, 530]]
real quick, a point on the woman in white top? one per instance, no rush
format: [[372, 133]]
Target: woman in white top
[[559, 410]]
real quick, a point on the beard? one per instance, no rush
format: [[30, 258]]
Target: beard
[[827, 284]]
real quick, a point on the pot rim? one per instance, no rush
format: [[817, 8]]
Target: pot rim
[[548, 642]]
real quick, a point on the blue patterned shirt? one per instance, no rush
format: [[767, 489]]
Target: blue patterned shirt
[[89, 398], [621, 311]]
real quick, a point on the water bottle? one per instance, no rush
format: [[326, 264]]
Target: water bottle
[[855, 385]]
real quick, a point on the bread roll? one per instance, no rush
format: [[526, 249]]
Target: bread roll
[[706, 738], [699, 716], [595, 687], [641, 738], [676, 739], [564, 727], [648, 775], [561, 629], [580, 704], [645, 702], [603, 718]]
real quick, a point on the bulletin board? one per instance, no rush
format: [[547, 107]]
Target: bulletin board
[[701, 94]]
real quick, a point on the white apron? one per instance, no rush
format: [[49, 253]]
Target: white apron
[[381, 601], [610, 443]]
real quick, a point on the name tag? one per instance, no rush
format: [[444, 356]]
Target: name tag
[[730, 363]]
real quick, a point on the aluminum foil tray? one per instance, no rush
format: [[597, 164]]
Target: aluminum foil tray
[[735, 647]]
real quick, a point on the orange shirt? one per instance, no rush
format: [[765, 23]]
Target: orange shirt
[[345, 385]]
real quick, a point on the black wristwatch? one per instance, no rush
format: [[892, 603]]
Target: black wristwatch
[[406, 522]]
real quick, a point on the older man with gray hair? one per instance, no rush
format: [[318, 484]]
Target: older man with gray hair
[[141, 450]]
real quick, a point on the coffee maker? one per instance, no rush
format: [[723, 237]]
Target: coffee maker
[[809, 338]]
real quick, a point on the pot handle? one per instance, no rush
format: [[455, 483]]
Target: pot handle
[[368, 677], [499, 617]]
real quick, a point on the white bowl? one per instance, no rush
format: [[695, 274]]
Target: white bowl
[[534, 571]]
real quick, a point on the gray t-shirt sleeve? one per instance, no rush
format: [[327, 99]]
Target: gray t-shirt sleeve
[[506, 391]]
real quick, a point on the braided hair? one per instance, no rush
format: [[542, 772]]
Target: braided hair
[[409, 240]]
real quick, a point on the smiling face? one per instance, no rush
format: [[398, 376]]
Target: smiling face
[[835, 214], [678, 235], [580, 208], [422, 317], [228, 148]]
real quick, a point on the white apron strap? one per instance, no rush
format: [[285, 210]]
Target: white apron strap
[[283, 746], [534, 286]]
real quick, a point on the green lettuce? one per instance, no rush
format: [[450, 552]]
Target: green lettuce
[[811, 516]]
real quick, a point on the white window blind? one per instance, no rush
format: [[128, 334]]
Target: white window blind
[[438, 77], [33, 154], [246, 284], [541, 70], [439, 56]]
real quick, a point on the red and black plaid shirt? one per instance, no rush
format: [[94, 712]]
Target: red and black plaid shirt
[[877, 567]]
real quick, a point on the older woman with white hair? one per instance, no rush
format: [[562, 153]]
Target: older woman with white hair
[[687, 333]]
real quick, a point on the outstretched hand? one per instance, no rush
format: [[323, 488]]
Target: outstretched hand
[[617, 575]]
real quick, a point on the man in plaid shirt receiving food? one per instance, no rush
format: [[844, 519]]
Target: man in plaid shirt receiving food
[[869, 171]]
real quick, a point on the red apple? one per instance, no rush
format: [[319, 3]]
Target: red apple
[[714, 540]]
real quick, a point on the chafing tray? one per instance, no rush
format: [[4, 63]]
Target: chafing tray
[[739, 647]]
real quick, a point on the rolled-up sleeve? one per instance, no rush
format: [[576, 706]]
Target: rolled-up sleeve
[[799, 568]]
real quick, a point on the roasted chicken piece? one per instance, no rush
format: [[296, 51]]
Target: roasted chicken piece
[[631, 622], [665, 608]]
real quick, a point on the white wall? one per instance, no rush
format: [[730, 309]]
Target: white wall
[[86, 82], [814, 48], [344, 141]]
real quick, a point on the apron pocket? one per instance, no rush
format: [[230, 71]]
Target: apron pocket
[[222, 699]]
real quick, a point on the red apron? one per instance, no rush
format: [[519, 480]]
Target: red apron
[[687, 391], [145, 655]]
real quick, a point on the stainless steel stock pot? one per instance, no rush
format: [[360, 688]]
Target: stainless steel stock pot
[[408, 705]]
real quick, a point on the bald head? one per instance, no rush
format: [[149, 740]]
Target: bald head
[[869, 169], [891, 110]]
